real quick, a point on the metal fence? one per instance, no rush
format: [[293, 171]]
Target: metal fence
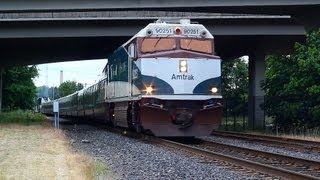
[[235, 114], [294, 115]]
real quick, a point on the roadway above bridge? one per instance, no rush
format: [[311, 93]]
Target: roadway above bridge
[[305, 11], [234, 6]]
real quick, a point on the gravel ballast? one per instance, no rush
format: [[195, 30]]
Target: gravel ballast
[[128, 158]]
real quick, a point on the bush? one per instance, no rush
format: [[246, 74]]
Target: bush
[[21, 117]]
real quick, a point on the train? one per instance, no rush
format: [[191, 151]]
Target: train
[[165, 80]]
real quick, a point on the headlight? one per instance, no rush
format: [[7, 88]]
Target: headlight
[[177, 31], [183, 69], [183, 66], [149, 90], [149, 32], [203, 34], [214, 90]]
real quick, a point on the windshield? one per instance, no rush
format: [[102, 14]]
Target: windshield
[[157, 44], [200, 45]]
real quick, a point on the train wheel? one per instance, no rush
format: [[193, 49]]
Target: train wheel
[[129, 116], [111, 115], [106, 114], [137, 122]]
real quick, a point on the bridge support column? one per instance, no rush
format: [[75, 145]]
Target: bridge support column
[[1, 79], [256, 114]]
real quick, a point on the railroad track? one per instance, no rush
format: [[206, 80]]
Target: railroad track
[[279, 141], [275, 165], [269, 163]]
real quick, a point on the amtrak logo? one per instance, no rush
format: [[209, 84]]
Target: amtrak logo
[[182, 77]]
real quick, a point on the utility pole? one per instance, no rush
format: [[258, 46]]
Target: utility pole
[[47, 83], [61, 77], [53, 92]]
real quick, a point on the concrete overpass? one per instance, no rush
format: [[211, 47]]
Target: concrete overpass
[[234, 6], [59, 38], [305, 11], [35, 35]]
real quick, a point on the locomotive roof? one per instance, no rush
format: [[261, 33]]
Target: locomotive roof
[[167, 28]]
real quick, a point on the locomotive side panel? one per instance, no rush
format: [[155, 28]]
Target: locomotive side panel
[[118, 88]]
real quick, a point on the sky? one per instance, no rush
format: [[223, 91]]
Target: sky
[[86, 72]]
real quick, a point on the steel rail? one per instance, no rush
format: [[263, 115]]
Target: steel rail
[[287, 142], [269, 154], [294, 161]]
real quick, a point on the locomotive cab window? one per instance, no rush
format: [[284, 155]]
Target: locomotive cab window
[[199, 45], [132, 50], [150, 45]]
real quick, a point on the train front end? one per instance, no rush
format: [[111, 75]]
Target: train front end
[[178, 77]]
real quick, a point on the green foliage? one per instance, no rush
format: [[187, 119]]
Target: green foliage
[[292, 86], [79, 86], [53, 93], [42, 91], [67, 88], [19, 90], [21, 117], [235, 86]]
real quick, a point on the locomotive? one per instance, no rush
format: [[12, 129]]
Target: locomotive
[[165, 80]]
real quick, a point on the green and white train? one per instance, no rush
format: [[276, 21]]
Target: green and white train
[[166, 80]]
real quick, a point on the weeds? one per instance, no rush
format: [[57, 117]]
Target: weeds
[[21, 117], [95, 170]]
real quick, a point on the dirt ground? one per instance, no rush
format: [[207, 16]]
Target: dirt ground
[[39, 152]]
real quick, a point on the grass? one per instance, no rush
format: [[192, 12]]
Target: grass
[[21, 117], [42, 152], [97, 170]]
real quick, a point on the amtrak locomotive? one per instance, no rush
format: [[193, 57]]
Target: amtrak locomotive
[[165, 80]]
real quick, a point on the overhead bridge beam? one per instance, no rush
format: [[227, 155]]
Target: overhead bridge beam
[[56, 5], [121, 27]]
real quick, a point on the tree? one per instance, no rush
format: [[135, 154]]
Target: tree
[[53, 93], [42, 91], [67, 88], [235, 85], [19, 90], [292, 86], [79, 86]]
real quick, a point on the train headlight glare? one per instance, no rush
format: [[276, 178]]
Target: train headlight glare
[[214, 90], [183, 66], [149, 90]]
